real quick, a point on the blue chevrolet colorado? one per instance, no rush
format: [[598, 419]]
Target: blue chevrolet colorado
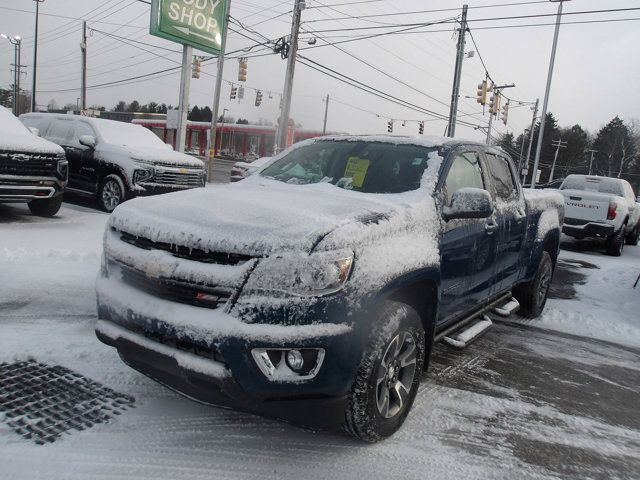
[[314, 290]]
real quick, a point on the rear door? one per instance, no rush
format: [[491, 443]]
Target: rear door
[[510, 211], [460, 241]]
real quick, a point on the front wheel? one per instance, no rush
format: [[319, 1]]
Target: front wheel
[[615, 243], [111, 193], [389, 374], [532, 296], [45, 207], [632, 238]]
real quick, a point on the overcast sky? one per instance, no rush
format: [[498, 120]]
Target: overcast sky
[[596, 73]]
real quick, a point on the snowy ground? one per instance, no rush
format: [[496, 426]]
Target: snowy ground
[[522, 402]]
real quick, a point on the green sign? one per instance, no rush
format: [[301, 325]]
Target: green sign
[[199, 23]]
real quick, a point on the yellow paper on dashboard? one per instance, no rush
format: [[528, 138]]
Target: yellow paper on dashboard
[[356, 170]]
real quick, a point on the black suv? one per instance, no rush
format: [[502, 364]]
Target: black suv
[[32, 170], [113, 161]]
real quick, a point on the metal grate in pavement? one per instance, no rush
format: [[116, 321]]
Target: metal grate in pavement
[[41, 402]]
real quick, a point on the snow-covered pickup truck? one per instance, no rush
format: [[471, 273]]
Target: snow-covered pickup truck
[[32, 170], [314, 290], [601, 207]]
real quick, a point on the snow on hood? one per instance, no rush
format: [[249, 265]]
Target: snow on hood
[[15, 137], [254, 218], [160, 156]]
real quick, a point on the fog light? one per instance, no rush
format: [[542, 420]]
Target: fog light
[[295, 360]]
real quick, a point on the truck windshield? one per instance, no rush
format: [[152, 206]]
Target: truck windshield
[[611, 186], [368, 167]]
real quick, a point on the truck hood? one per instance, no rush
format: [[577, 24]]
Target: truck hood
[[11, 141], [157, 156], [250, 218]]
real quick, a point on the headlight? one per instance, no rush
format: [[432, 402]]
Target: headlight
[[63, 168], [318, 274], [142, 175]]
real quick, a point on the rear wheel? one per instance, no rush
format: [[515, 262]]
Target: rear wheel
[[632, 238], [389, 374], [532, 296], [47, 207], [111, 193], [615, 243]]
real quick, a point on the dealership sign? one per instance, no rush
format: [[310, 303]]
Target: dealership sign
[[199, 23]]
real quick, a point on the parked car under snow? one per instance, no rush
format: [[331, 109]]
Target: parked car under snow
[[314, 290], [32, 170], [113, 161]]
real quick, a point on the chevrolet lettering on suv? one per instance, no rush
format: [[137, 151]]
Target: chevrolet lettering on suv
[[314, 290]]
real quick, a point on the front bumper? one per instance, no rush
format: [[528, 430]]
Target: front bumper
[[206, 355], [589, 229], [14, 188]]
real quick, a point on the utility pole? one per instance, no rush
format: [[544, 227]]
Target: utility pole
[[545, 104], [326, 113], [490, 127], [283, 126], [211, 151], [35, 58], [591, 161], [457, 75], [558, 144], [183, 107], [83, 52], [533, 126]]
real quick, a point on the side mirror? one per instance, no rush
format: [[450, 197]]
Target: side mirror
[[35, 131], [88, 141], [469, 203]]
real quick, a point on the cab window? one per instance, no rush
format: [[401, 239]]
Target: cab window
[[465, 172], [502, 176], [59, 131]]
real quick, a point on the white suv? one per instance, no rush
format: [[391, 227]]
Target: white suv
[[601, 207]]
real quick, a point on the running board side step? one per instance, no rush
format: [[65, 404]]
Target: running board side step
[[464, 337], [505, 310]]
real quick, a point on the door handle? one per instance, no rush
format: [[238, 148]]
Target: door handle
[[490, 227]]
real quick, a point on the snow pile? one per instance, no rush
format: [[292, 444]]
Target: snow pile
[[606, 307]]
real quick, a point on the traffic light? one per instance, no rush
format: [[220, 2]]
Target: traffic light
[[483, 88], [494, 104], [242, 70], [390, 126], [421, 128], [505, 113], [196, 67], [240, 93], [258, 98], [234, 92]]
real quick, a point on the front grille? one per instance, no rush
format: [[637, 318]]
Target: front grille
[[575, 221], [28, 164], [174, 290], [194, 254], [175, 342], [190, 179]]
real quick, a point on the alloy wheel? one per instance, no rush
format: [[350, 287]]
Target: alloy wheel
[[396, 374], [111, 194]]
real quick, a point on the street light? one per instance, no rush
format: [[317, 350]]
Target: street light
[[16, 40], [35, 58], [545, 105]]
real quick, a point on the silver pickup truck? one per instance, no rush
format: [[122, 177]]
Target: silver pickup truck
[[601, 207]]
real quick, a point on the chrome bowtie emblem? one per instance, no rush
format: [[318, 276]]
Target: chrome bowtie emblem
[[20, 157]]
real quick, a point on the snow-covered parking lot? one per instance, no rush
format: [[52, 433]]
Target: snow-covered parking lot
[[552, 398]]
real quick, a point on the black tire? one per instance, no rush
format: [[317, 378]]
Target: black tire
[[47, 207], [632, 238], [396, 337], [532, 296], [111, 193], [615, 243]]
